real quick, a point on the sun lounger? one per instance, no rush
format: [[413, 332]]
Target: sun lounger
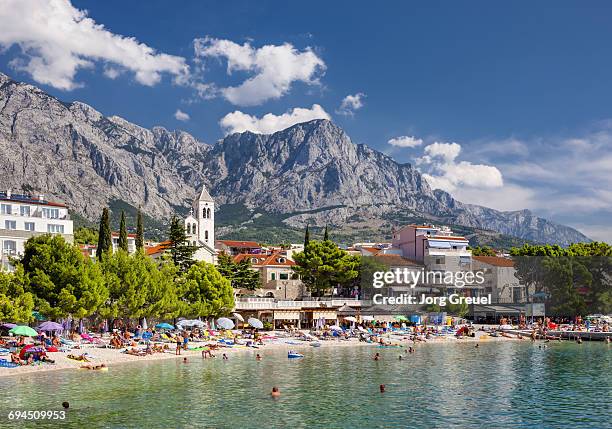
[[7, 364]]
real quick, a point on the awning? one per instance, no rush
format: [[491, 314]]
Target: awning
[[439, 244], [328, 315], [286, 315]]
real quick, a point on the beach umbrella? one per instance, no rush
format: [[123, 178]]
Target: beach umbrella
[[238, 316], [50, 326], [81, 327], [368, 318], [67, 324], [26, 331], [351, 319], [401, 318], [335, 328], [225, 323], [189, 323], [8, 325], [105, 326], [144, 323], [255, 323], [164, 326], [30, 349]]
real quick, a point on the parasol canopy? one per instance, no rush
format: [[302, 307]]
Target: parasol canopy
[[8, 325], [368, 318], [225, 323], [50, 326], [351, 319], [255, 323], [238, 316], [164, 326], [26, 331]]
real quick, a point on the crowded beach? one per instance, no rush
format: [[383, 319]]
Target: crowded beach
[[54, 346]]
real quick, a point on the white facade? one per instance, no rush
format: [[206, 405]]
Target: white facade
[[200, 227], [24, 216], [131, 239]]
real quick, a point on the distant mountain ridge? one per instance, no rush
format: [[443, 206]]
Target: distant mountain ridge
[[310, 172]]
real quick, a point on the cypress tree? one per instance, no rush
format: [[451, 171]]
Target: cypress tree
[[306, 238], [123, 237], [139, 231], [325, 234], [105, 240]]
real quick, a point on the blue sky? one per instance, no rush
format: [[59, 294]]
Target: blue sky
[[502, 105]]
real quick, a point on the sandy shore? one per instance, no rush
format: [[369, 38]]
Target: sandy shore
[[113, 357]]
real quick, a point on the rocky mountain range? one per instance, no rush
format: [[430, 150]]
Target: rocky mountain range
[[310, 173]]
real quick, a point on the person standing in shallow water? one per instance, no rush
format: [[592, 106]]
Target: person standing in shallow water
[[275, 392], [179, 344]]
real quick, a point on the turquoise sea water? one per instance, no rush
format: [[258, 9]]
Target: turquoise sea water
[[498, 385]]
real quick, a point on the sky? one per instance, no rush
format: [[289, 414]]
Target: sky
[[507, 105]]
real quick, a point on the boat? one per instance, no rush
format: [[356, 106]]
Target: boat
[[315, 344], [294, 355]]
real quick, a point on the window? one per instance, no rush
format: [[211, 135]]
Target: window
[[10, 224], [10, 247], [204, 213], [29, 226], [206, 235], [24, 210], [194, 229], [208, 213], [50, 213], [273, 276], [6, 209], [188, 228], [56, 229], [283, 276]]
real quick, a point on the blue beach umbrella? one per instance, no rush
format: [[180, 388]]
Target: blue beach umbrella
[[50, 326], [164, 326]]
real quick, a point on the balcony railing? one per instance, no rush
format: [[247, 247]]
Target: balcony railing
[[273, 304]]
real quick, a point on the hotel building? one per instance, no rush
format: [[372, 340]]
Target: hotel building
[[24, 216]]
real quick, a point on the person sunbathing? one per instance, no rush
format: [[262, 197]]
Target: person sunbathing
[[94, 367], [16, 359], [80, 358]]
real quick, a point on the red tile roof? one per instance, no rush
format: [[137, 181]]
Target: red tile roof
[[495, 261], [263, 260], [235, 243], [160, 248]]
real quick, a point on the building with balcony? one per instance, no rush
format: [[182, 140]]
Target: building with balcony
[[438, 248], [277, 276], [25, 216]]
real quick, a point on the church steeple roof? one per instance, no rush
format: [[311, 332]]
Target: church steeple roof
[[204, 195]]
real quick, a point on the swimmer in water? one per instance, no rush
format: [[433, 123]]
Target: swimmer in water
[[224, 356], [258, 357], [400, 357], [377, 356], [382, 388], [184, 360], [477, 345], [65, 405], [275, 392]]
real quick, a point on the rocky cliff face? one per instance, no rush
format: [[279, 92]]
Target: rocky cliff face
[[75, 154], [312, 170]]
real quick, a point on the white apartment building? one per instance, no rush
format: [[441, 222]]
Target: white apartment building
[[24, 216]]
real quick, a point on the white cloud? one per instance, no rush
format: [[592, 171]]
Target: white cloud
[[181, 116], [405, 141], [350, 103], [56, 40], [238, 122], [274, 68], [442, 171]]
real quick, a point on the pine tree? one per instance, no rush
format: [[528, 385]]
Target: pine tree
[[139, 232], [105, 239], [123, 237], [325, 234], [180, 250]]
